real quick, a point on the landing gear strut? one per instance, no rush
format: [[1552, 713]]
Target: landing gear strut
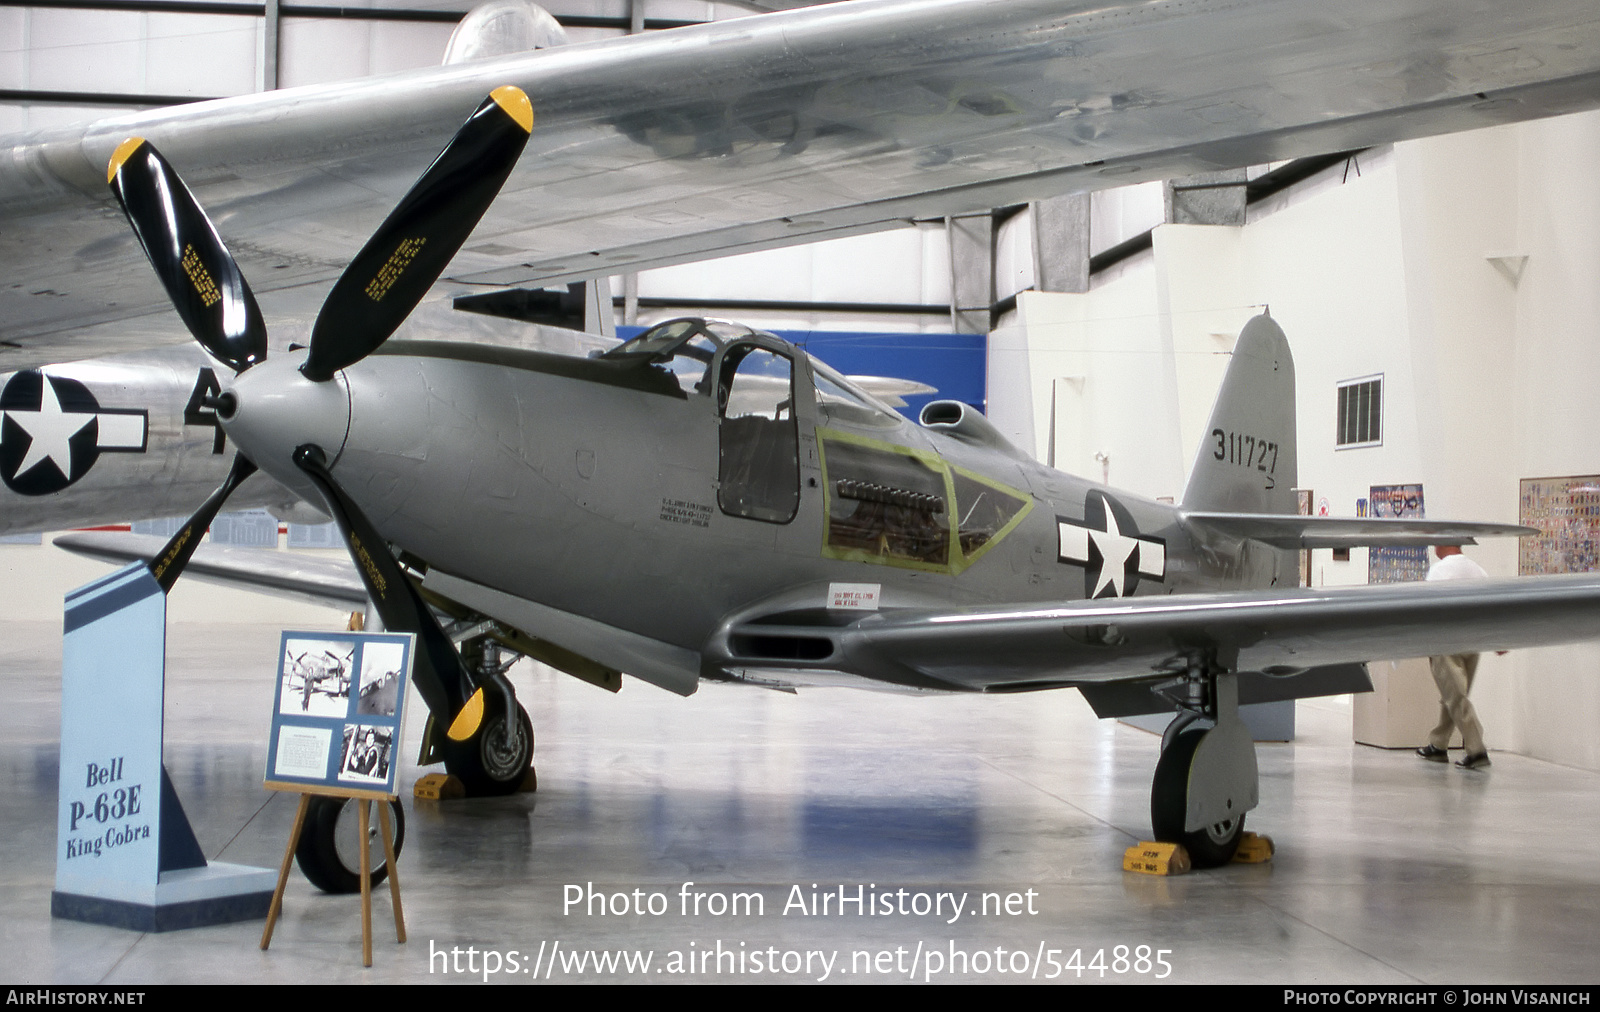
[[1206, 779]]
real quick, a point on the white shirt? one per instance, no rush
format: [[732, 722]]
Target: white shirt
[[1456, 567]]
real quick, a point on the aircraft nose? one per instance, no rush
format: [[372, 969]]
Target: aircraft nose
[[271, 409]]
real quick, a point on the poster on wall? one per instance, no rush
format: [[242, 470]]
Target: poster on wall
[[1567, 513], [337, 712], [1303, 501], [1396, 565]]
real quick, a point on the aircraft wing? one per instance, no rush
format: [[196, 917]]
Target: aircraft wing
[[1289, 531], [763, 131], [1298, 642], [328, 579], [1088, 643]]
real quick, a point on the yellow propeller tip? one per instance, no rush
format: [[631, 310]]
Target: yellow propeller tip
[[466, 723], [516, 105], [124, 151]]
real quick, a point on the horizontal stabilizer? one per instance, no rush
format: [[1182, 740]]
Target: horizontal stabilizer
[[1290, 531]]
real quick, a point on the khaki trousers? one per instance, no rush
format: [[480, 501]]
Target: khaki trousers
[[1453, 675]]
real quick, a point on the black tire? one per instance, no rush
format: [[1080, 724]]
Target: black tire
[[483, 763], [1209, 846], [327, 853]]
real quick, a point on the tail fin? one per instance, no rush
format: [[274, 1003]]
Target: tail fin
[[1246, 461]]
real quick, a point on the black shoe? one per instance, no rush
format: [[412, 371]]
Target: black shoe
[[1436, 755], [1474, 762]]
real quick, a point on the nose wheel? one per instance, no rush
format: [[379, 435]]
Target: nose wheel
[[496, 759]]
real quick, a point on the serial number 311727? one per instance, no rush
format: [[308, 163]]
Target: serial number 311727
[[1246, 451]]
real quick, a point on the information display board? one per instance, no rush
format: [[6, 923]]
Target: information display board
[[338, 710], [1397, 565], [1567, 513]]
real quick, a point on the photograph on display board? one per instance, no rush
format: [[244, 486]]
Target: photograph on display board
[[315, 676], [1566, 511], [1397, 565], [366, 753], [323, 733], [380, 679]]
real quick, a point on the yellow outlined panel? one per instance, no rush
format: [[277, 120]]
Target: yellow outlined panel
[[894, 505]]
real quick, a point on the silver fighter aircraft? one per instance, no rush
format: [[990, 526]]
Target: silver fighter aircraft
[[707, 502]]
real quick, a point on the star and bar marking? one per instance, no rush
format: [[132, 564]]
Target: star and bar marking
[[1107, 544], [44, 446]]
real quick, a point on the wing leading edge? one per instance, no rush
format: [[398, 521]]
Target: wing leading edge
[[1277, 632], [764, 131], [1289, 531], [1089, 644]]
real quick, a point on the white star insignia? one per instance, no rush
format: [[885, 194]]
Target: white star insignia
[[1115, 548], [50, 431], [1114, 552]]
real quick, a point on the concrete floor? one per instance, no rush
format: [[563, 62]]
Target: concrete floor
[[1389, 870]]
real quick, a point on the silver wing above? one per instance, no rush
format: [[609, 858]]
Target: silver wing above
[[769, 130]]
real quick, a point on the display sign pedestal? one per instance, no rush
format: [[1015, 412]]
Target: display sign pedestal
[[1402, 707], [125, 854]]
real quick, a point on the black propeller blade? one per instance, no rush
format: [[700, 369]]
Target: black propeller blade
[[377, 291], [200, 275], [411, 248], [175, 554], [488, 741], [439, 674]]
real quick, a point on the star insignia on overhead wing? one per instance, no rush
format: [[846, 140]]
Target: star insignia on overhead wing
[[1107, 544], [52, 430]]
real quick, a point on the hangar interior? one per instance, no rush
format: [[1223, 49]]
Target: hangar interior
[[1459, 271]]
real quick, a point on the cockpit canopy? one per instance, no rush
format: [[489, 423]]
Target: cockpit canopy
[[686, 348]]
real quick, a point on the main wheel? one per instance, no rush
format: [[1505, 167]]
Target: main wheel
[[1208, 846], [491, 762], [329, 852]]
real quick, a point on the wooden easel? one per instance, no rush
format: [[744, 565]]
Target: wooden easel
[[364, 801]]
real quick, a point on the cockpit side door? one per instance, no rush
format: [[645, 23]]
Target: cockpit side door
[[758, 433]]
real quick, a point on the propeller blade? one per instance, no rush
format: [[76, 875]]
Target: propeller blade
[[200, 275], [403, 259], [174, 555], [439, 675]]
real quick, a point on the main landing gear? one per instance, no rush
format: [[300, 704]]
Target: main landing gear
[[1206, 779]]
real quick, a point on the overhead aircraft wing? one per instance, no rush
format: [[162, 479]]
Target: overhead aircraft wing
[[1288, 531], [745, 134]]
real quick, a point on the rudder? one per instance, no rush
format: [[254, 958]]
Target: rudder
[[1246, 462]]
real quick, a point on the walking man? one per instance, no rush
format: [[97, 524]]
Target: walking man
[[1453, 674]]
